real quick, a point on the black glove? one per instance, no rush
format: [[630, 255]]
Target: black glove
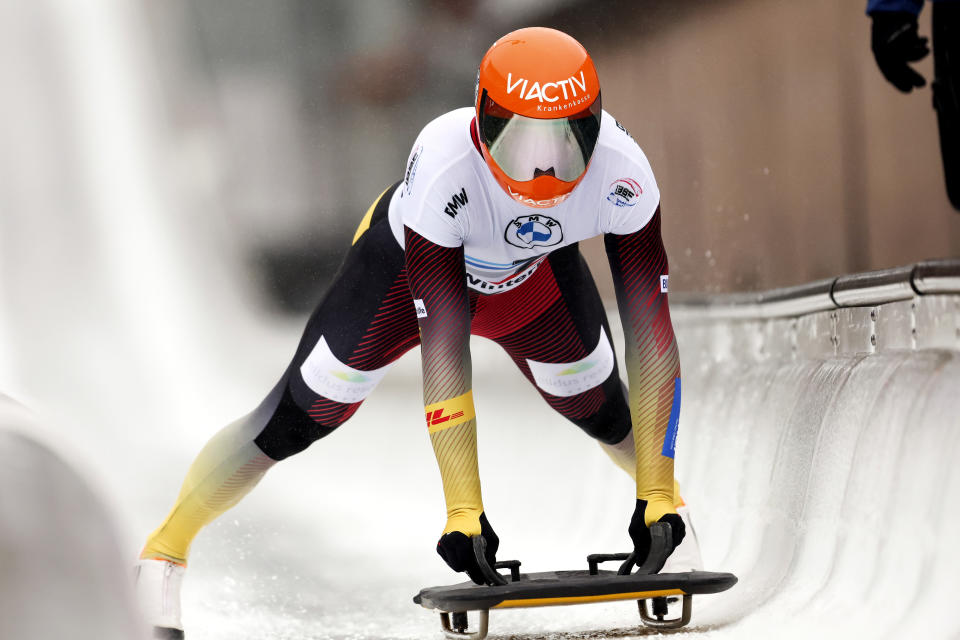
[[640, 533], [895, 42], [457, 550]]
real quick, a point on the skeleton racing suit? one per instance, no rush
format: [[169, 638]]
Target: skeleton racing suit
[[447, 253]]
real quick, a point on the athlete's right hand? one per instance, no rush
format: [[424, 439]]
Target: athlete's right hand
[[456, 544], [895, 42]]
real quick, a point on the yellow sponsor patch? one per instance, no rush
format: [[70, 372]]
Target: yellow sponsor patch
[[449, 413]]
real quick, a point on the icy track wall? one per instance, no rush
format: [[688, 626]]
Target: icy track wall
[[820, 439], [62, 573]]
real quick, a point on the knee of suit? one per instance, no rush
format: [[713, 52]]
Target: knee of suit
[[611, 422], [291, 429]]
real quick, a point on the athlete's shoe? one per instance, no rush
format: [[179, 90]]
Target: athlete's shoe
[[158, 592], [686, 557]]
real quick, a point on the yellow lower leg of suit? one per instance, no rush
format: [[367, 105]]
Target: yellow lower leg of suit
[[230, 465], [226, 469], [624, 456]]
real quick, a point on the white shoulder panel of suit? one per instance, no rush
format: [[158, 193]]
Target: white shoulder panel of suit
[[449, 196]]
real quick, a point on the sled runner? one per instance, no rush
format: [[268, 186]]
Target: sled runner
[[552, 588]]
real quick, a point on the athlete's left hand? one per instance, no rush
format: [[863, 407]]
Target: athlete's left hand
[[640, 530], [456, 548]]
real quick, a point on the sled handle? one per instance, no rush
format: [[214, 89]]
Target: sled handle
[[489, 574], [594, 559], [513, 565], [661, 546]]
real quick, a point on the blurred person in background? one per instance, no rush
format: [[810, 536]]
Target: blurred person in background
[[480, 237], [896, 42]]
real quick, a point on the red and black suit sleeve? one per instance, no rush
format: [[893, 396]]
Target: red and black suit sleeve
[[638, 262], [437, 278]]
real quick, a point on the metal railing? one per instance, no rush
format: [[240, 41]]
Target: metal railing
[[930, 277]]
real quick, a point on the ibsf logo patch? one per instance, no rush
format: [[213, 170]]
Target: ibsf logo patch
[[625, 192], [536, 230], [412, 166], [664, 281]]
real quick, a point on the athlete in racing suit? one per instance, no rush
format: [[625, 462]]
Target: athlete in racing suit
[[452, 251]]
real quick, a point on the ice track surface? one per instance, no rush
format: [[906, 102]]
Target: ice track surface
[[821, 475], [820, 482]]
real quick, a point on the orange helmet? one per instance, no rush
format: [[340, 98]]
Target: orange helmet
[[538, 114]]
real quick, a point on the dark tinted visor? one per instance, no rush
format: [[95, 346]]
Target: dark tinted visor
[[525, 148]]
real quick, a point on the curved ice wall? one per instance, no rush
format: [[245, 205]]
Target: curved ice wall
[[62, 573], [821, 433]]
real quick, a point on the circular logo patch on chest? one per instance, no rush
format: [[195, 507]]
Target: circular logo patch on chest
[[535, 230]]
